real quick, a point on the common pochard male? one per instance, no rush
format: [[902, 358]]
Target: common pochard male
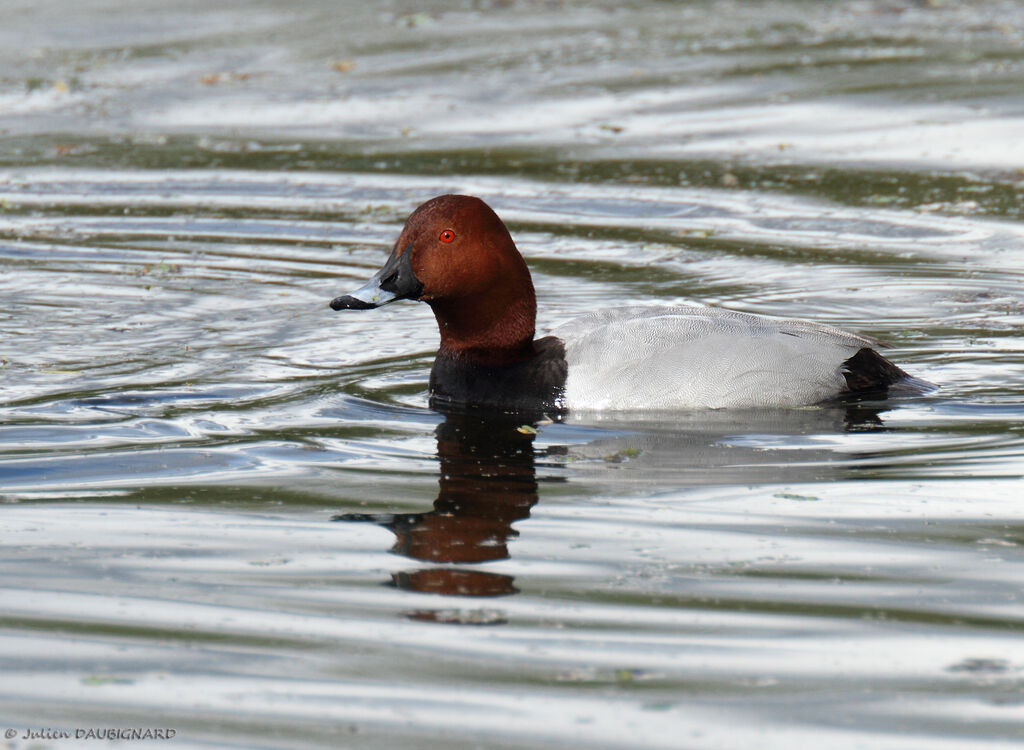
[[455, 254]]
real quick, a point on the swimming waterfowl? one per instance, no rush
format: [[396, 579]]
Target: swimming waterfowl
[[455, 254]]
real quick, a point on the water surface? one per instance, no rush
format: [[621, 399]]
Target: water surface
[[229, 510]]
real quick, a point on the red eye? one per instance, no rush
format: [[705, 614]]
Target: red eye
[[447, 235]]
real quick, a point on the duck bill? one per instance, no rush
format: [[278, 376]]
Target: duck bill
[[393, 282]]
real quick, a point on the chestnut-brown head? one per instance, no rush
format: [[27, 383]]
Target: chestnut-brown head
[[455, 254]]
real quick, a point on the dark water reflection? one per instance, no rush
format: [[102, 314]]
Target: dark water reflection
[[487, 482], [488, 477]]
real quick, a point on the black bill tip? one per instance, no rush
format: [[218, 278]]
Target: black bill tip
[[348, 302]]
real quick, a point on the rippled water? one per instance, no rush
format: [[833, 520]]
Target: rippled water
[[229, 511]]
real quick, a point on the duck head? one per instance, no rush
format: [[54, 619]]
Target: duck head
[[455, 254]]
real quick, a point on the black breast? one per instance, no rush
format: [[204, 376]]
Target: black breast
[[535, 384]]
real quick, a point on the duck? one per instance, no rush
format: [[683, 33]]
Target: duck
[[455, 254]]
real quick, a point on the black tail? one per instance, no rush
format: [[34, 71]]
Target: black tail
[[867, 371]]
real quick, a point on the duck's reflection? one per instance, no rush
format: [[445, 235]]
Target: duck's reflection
[[488, 476], [488, 481]]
